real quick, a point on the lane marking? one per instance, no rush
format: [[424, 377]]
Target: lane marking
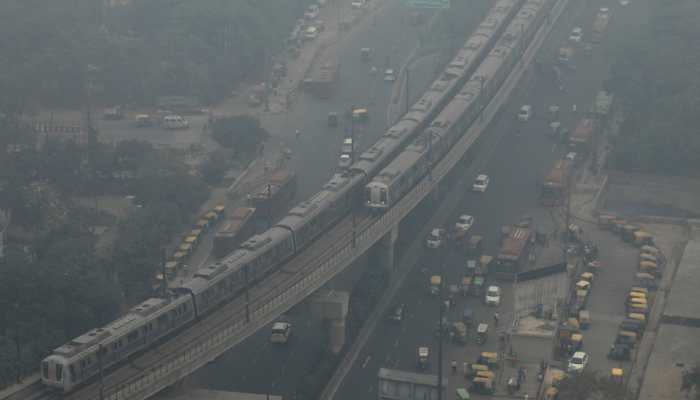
[[364, 364]]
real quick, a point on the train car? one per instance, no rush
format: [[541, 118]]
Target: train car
[[77, 361], [313, 216], [216, 283], [267, 251]]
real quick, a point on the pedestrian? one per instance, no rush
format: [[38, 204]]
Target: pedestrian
[[465, 366], [298, 135], [261, 149], [495, 319], [454, 367], [573, 108]]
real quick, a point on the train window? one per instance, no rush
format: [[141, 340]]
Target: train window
[[71, 370], [59, 372], [115, 345], [45, 369], [132, 336], [383, 197]]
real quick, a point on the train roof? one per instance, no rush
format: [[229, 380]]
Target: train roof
[[271, 236], [135, 317], [407, 158]]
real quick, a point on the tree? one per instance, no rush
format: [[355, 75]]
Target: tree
[[588, 386], [242, 133], [214, 167]]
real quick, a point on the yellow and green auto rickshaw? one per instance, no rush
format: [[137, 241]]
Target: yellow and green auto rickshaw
[[642, 238], [483, 386], [488, 358]]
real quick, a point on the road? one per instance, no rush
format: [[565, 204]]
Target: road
[[516, 156], [255, 365]]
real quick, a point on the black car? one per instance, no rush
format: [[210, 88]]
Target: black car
[[396, 313], [619, 351]]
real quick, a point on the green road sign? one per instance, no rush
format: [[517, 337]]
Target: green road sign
[[428, 3]]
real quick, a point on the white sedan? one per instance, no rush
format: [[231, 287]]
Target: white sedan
[[464, 222], [493, 296], [481, 183], [578, 362]]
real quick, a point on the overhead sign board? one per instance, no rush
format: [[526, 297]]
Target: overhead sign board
[[428, 3]]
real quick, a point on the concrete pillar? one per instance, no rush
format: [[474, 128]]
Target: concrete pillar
[[332, 305], [385, 249]]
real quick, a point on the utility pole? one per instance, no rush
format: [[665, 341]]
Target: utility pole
[[164, 285], [441, 312], [100, 350], [352, 158], [483, 98], [247, 292], [269, 205], [429, 138], [408, 86], [267, 81], [18, 349]]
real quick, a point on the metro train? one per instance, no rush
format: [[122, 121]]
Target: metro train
[[413, 164], [77, 361]]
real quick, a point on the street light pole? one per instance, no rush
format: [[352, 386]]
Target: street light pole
[[102, 377], [441, 316], [352, 159], [18, 349]]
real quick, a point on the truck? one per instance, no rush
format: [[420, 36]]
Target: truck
[[323, 78], [600, 25], [555, 185], [514, 253], [580, 140], [234, 231], [273, 196]]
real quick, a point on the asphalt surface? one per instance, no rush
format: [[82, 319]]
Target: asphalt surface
[[516, 156], [256, 365]]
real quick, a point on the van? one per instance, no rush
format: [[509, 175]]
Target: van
[[175, 122], [525, 113]]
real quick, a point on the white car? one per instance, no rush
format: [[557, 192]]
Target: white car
[[604, 11], [464, 222], [572, 156], [310, 33], [357, 4], [389, 75], [624, 2], [435, 237], [481, 183], [493, 296], [525, 113], [578, 362], [345, 161], [281, 331], [576, 35]]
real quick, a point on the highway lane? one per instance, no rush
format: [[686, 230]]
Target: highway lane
[[255, 365], [523, 155]]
